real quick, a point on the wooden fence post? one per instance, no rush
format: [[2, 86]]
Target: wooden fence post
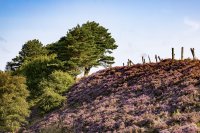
[[156, 57], [173, 54], [159, 58], [128, 63], [131, 62], [193, 53], [149, 59], [143, 60], [182, 52]]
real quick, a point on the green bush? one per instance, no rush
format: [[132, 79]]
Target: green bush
[[53, 88], [59, 81], [13, 106], [50, 100]]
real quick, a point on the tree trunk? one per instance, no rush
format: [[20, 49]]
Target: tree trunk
[[87, 70]]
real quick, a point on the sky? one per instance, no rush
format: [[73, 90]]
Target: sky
[[140, 27]]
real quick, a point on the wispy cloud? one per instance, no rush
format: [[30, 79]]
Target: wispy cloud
[[192, 24]]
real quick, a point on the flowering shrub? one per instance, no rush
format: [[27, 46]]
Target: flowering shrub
[[158, 97]]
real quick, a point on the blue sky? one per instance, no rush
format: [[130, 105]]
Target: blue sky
[[140, 27]]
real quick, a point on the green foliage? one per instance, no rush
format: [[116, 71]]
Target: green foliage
[[50, 100], [53, 87], [59, 81], [45, 81], [36, 70], [85, 47], [13, 105], [30, 49]]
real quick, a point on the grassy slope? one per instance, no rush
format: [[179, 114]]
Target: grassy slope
[[158, 97]]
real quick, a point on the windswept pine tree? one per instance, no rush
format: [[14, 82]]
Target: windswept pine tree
[[84, 47]]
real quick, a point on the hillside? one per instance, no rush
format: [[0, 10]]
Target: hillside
[[158, 97]]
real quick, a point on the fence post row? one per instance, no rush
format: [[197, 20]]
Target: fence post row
[[129, 63]]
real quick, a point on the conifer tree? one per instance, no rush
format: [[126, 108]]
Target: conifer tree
[[30, 49], [84, 47]]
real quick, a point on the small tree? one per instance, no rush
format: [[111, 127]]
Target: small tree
[[13, 105]]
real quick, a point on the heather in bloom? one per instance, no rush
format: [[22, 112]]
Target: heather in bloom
[[158, 97]]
